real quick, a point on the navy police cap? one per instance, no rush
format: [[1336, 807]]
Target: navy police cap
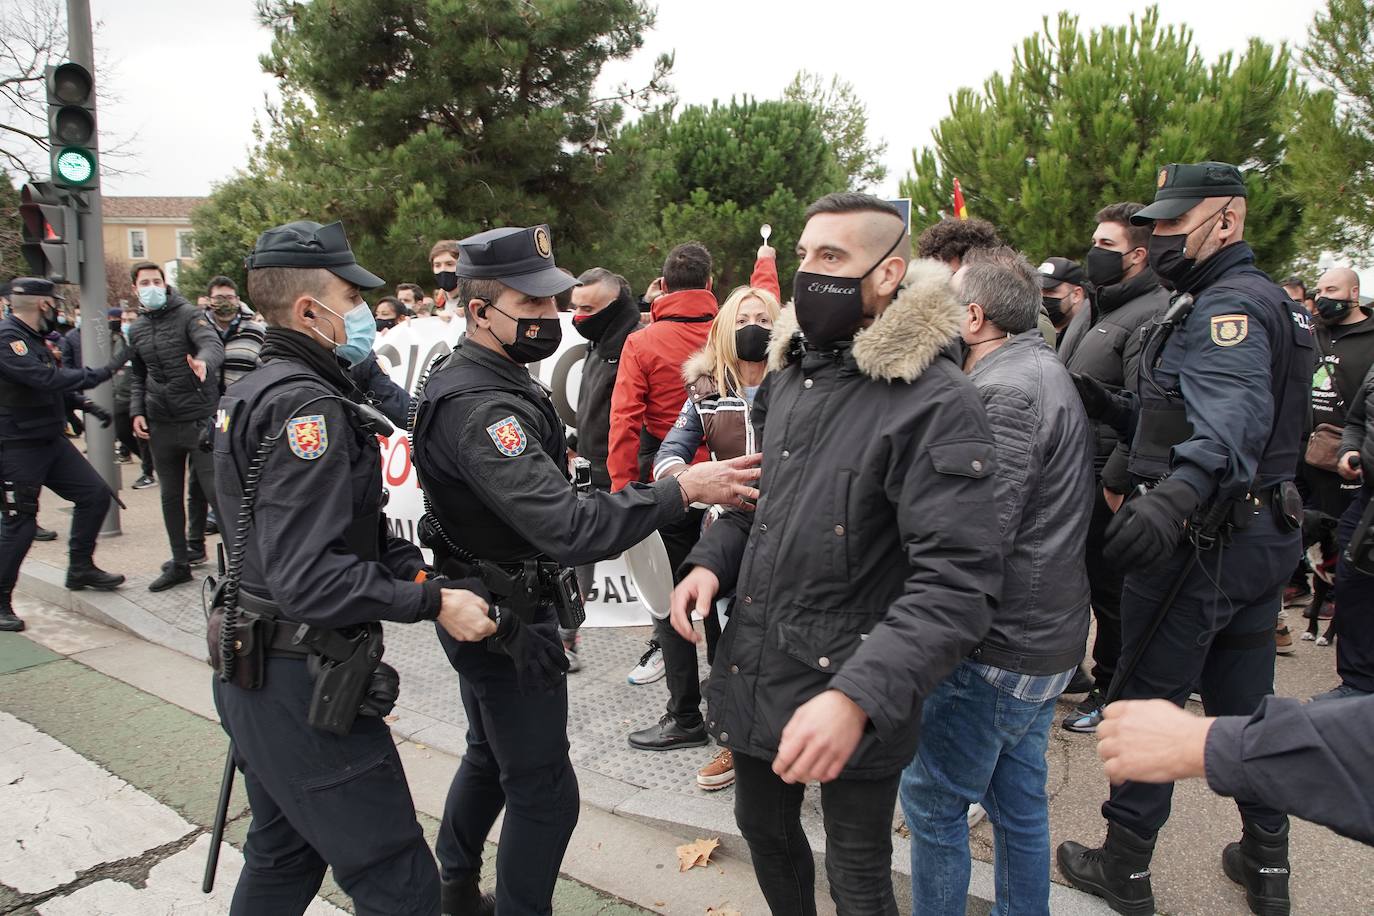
[[34, 286], [1182, 186], [520, 258], [308, 244]]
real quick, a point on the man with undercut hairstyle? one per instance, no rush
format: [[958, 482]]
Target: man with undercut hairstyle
[[870, 566], [1214, 422]]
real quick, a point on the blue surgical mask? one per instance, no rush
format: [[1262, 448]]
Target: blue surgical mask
[[124, 327], [360, 329], [152, 297]]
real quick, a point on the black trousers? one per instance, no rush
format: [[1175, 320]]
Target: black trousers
[[1354, 607], [1104, 583], [174, 446], [516, 759], [321, 799], [858, 840], [679, 655], [124, 432], [1216, 639], [57, 465]]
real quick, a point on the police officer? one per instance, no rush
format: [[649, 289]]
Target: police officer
[[1221, 401], [492, 459], [298, 473], [34, 398]]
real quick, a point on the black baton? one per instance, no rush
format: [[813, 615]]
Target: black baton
[[226, 788]]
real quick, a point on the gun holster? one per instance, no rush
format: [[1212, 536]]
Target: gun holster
[[349, 676]]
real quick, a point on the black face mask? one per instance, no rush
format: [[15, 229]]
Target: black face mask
[[446, 280], [1167, 252], [1332, 311], [1104, 267], [114, 329], [594, 327], [385, 324], [535, 338], [1054, 308], [831, 309], [751, 343], [51, 324]]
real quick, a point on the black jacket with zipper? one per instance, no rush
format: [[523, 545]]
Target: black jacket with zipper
[[594, 393], [163, 387], [874, 558]]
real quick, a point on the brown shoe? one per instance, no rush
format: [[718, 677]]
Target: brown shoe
[[719, 773], [1283, 641]]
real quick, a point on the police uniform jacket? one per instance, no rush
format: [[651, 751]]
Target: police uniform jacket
[[1234, 380], [164, 388], [492, 458], [1103, 342], [874, 557], [35, 393], [317, 545]]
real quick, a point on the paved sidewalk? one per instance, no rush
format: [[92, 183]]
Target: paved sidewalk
[[659, 789]]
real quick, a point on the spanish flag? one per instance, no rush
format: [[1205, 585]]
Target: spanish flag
[[960, 211]]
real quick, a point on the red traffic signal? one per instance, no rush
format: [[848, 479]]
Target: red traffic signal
[[48, 237]]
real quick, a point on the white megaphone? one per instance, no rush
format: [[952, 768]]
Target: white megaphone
[[652, 574]]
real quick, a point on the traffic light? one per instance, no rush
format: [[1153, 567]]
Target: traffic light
[[71, 126], [49, 237]]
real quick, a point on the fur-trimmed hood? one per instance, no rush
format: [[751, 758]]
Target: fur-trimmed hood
[[905, 338], [698, 365]]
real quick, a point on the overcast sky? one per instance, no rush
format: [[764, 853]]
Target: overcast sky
[[189, 85]]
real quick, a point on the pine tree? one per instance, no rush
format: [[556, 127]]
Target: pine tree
[[1087, 120]]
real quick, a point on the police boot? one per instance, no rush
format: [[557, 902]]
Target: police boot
[[1119, 872], [85, 574], [465, 898], [1259, 863], [9, 623]]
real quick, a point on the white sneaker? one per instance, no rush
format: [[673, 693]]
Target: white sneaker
[[650, 667], [976, 813]]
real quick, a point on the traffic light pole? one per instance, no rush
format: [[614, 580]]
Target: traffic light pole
[[95, 330]]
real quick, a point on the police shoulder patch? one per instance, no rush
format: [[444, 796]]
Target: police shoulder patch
[[1229, 330], [307, 436], [509, 436], [19, 347]]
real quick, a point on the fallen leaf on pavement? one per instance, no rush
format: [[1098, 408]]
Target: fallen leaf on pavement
[[694, 854]]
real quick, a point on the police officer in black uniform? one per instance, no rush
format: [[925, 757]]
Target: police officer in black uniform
[[295, 633], [492, 459], [1220, 406], [34, 398]]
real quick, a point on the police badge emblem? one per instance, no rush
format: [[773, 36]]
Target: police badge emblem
[[19, 347], [308, 437], [1229, 330], [509, 436], [1163, 177], [542, 244]]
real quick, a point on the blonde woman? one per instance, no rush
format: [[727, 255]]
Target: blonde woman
[[721, 382]]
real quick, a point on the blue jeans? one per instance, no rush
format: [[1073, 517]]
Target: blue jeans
[[979, 744]]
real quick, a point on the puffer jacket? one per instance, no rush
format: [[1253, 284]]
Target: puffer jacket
[[1045, 485], [163, 387], [719, 420], [1103, 342], [1358, 433], [594, 394], [874, 558]]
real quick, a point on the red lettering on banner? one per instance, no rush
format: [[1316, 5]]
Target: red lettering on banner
[[390, 450]]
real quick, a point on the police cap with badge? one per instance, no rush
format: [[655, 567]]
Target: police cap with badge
[[307, 245], [1182, 186], [1061, 270], [34, 286], [520, 258]]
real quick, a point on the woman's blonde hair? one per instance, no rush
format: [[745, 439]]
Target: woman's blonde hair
[[720, 345]]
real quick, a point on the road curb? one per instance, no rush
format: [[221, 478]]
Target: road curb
[[681, 815]]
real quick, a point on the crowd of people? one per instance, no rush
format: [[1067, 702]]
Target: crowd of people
[[895, 500]]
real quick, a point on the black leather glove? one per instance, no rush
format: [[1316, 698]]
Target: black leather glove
[[100, 413], [537, 651], [1102, 403], [1149, 527]]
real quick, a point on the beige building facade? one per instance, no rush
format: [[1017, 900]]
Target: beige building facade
[[156, 229]]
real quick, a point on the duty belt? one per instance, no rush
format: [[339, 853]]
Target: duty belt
[[282, 641]]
